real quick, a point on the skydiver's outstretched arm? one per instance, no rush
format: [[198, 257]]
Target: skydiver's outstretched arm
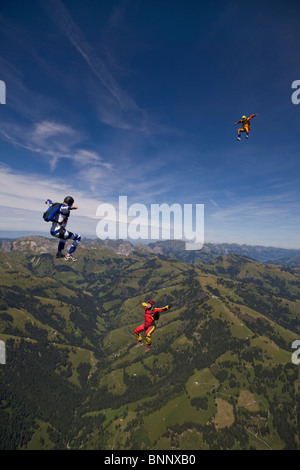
[[70, 208], [167, 307], [159, 310]]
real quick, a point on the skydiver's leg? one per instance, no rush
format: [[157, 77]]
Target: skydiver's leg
[[138, 331], [61, 245], [148, 334], [76, 239], [239, 133]]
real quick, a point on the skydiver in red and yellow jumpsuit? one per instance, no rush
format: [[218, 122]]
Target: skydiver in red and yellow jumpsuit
[[246, 125], [151, 314]]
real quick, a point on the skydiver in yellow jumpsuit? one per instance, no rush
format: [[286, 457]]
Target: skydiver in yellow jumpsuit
[[246, 126]]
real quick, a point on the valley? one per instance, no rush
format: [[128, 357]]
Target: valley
[[219, 374]]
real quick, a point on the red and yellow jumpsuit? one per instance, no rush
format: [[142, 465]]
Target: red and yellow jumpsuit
[[149, 325], [246, 124]]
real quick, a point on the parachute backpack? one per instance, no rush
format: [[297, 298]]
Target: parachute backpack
[[156, 315], [50, 213]]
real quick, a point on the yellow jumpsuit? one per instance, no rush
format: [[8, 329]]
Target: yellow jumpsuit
[[246, 125]]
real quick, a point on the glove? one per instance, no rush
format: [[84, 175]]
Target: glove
[[167, 307]]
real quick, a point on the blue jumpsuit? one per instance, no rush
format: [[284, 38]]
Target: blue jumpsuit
[[59, 230]]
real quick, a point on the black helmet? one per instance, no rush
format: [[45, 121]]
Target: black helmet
[[69, 200]]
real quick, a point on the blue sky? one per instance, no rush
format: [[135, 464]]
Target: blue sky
[[139, 98]]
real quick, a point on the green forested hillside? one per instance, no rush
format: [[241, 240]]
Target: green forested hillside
[[219, 374]]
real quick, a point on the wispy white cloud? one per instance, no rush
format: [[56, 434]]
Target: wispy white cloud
[[264, 208], [87, 157], [28, 190], [22, 98], [23, 196], [124, 174], [46, 129], [266, 220], [53, 141], [213, 202], [116, 107]]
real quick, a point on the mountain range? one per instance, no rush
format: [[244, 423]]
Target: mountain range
[[168, 248], [219, 374]]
